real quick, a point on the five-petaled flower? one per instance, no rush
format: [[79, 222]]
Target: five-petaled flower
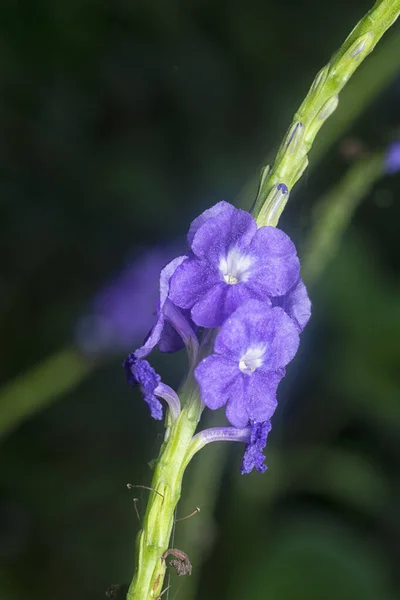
[[232, 261], [251, 351]]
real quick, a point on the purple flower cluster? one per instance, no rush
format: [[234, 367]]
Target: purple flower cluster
[[246, 282]]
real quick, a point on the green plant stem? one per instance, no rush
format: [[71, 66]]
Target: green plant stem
[[153, 540], [36, 388], [321, 101], [368, 81], [366, 84], [333, 213]]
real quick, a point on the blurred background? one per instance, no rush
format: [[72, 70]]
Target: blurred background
[[119, 123]]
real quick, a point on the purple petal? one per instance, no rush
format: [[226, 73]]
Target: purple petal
[[190, 281], [181, 322], [218, 303], [155, 334], [283, 340], [236, 334], [257, 401], [236, 409], [254, 325], [253, 457], [229, 228], [165, 278], [296, 304], [277, 267], [170, 340], [214, 211], [152, 339], [262, 389], [219, 380]]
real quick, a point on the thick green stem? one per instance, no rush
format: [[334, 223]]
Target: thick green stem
[[153, 540], [321, 101]]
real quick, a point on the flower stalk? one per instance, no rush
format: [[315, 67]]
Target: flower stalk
[[319, 104], [153, 540]]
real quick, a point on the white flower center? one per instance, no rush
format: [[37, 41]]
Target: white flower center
[[253, 359], [235, 267]]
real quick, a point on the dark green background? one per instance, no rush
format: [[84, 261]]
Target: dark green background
[[119, 122]]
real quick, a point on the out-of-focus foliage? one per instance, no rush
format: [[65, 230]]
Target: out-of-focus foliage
[[118, 123]]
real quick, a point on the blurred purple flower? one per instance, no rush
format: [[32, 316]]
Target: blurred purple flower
[[125, 310], [392, 158]]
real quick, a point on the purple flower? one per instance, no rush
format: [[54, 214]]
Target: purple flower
[[123, 311], [232, 261], [392, 158], [296, 304], [140, 372], [251, 350], [253, 457]]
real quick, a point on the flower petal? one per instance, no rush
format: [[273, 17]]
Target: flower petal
[[296, 304], [230, 227], [190, 281], [219, 380], [214, 211], [165, 278], [276, 267], [155, 334], [255, 324], [236, 409], [235, 335], [283, 340], [170, 340], [218, 303], [262, 389]]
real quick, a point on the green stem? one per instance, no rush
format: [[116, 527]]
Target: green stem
[[375, 74], [153, 540], [334, 211], [321, 101]]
